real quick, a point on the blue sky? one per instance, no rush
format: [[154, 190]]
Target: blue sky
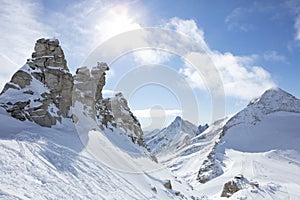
[[253, 44]]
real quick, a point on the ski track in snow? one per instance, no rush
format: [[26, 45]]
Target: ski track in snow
[[53, 175]]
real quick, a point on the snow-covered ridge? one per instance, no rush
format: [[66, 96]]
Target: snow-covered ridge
[[272, 100], [174, 137], [267, 123]]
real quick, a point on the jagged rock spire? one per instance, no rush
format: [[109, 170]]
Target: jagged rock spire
[[41, 91]]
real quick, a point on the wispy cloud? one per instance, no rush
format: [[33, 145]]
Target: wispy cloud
[[241, 18], [297, 27], [151, 56], [294, 7], [20, 28], [237, 20], [274, 56]]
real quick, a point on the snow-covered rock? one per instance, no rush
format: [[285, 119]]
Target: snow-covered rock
[[88, 85], [115, 113], [41, 91]]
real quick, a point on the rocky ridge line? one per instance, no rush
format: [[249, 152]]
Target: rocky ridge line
[[44, 90]]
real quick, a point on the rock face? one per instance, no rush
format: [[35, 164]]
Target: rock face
[[109, 112], [168, 185], [41, 91], [229, 189], [202, 129], [88, 86], [115, 113]]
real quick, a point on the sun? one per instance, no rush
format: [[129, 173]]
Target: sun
[[117, 20]]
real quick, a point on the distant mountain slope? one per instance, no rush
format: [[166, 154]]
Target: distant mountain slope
[[262, 143], [259, 144], [170, 139]]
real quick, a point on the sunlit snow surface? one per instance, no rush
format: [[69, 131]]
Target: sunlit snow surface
[[82, 162], [44, 163]]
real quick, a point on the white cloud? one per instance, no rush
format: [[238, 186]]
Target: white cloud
[[241, 78], [189, 28], [83, 26], [274, 56]]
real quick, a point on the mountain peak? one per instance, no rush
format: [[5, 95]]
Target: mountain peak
[[272, 100], [177, 119], [271, 95]]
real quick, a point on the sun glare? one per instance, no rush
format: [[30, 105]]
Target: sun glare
[[117, 20]]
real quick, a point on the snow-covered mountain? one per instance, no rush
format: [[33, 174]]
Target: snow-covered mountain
[[253, 155], [172, 138], [60, 139], [256, 151]]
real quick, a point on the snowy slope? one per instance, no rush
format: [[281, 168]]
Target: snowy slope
[[262, 143], [267, 153], [186, 161], [43, 163], [168, 140], [96, 149]]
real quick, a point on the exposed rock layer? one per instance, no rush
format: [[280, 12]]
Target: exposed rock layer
[[46, 83], [44, 90]]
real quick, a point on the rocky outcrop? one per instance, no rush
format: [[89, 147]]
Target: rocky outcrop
[[41, 91], [111, 113], [168, 185], [201, 129], [88, 86], [229, 189], [115, 113]]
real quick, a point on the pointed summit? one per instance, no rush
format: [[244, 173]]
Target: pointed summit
[[273, 95], [178, 118], [272, 100]]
